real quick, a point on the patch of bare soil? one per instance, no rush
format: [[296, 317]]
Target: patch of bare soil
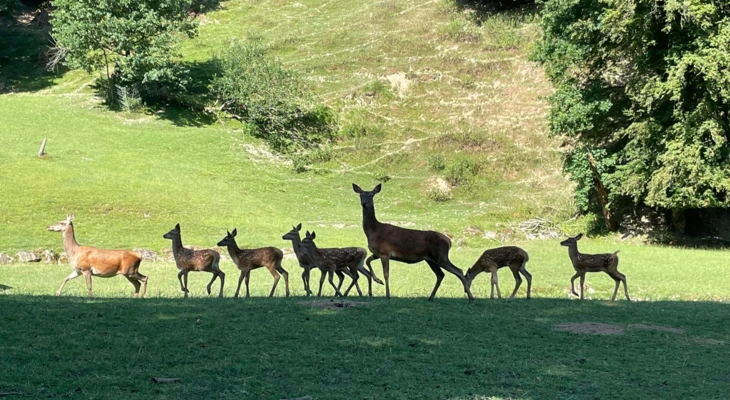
[[659, 328], [590, 328], [334, 305], [709, 341]]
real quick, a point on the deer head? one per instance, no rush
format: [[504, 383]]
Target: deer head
[[571, 241], [62, 225], [174, 233], [307, 244], [366, 198], [229, 240], [293, 234]]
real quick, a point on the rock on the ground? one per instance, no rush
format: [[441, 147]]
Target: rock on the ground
[[63, 258], [49, 257], [6, 259], [27, 256], [148, 255]]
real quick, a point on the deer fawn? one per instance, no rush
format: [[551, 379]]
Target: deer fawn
[[342, 257], [491, 260], [194, 260], [583, 263], [90, 261], [248, 259], [347, 260], [388, 242]]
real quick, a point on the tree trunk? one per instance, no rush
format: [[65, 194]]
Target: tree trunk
[[608, 216]]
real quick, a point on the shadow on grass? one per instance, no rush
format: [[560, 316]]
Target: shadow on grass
[[399, 348], [23, 56], [483, 9]]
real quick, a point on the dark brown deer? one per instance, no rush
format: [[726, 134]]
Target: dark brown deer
[[90, 261], [249, 259], [194, 260], [583, 263], [347, 260], [342, 257], [493, 259], [388, 242]]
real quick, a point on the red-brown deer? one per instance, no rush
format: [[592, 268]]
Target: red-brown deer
[[90, 261], [583, 263], [347, 260], [388, 242], [194, 260], [249, 259], [493, 259], [342, 257]]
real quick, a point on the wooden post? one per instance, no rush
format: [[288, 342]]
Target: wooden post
[[602, 194], [42, 150]]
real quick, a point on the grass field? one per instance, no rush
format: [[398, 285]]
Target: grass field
[[412, 81]]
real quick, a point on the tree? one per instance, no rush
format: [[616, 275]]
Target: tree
[[642, 90], [132, 41], [7, 7]]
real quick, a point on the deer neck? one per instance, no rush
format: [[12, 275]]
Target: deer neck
[[369, 222], [177, 246], [295, 245], [233, 250], [69, 241], [573, 252]]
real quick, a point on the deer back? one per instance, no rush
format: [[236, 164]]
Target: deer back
[[105, 262], [344, 256], [594, 262], [254, 258], [407, 244]]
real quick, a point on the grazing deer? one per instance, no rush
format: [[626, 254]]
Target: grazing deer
[[342, 257], [90, 261], [347, 260], [583, 263], [493, 259], [194, 260], [248, 259], [388, 242]]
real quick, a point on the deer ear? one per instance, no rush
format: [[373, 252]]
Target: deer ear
[[314, 235], [235, 232], [580, 235], [377, 189], [299, 227], [356, 188], [177, 227], [228, 232], [70, 217]]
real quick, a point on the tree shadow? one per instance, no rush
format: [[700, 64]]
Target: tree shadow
[[483, 9], [24, 45], [188, 108]]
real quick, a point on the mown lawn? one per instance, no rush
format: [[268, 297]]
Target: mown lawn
[[671, 343]]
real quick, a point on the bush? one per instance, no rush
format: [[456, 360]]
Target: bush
[[256, 88], [436, 162], [461, 171]]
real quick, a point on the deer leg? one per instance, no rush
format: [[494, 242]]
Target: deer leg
[[134, 283], [240, 280], [582, 284], [368, 261], [276, 276], [355, 276], [618, 278], [285, 274], [305, 280], [322, 276], [332, 282], [210, 284], [179, 278], [222, 277], [446, 264], [246, 280], [518, 282], [385, 261], [87, 275], [367, 276], [142, 279], [439, 277], [528, 276], [74, 274], [572, 280], [341, 275], [185, 278], [626, 289]]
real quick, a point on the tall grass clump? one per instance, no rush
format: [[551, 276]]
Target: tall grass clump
[[256, 88]]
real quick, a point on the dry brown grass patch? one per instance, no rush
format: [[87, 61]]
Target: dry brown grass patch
[[590, 328], [333, 305]]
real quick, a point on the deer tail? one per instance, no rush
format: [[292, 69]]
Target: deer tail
[[616, 252]]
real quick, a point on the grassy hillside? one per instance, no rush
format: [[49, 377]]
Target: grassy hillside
[[412, 81]]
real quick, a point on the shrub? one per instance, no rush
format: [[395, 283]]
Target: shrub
[[256, 88], [461, 171], [436, 162]]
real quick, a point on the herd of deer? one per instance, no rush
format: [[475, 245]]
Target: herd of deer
[[385, 241]]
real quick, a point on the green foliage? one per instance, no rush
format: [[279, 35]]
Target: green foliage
[[644, 86], [436, 162], [258, 89], [8, 6], [461, 171], [133, 42]]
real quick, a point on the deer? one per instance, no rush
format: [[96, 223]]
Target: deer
[[249, 259], [347, 260], [493, 259], [91, 261], [388, 242], [583, 263], [187, 260], [341, 256]]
